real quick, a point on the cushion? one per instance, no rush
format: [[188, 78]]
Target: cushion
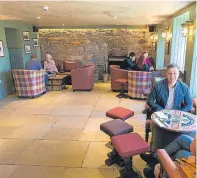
[[121, 81], [116, 127], [129, 144], [69, 65], [119, 113]]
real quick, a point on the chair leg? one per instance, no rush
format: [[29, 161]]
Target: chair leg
[[147, 130]]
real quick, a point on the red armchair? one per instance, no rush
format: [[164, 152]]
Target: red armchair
[[117, 73], [83, 78]]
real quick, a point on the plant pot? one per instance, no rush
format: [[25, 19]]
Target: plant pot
[[105, 77]]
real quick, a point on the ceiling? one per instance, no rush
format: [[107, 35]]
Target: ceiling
[[90, 13]]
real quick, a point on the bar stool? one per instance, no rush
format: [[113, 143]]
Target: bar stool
[[122, 82]]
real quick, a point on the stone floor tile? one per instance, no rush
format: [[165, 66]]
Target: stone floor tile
[[38, 172], [7, 170], [54, 153]]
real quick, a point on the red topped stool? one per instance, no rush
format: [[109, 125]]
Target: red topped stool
[[126, 146], [122, 82], [120, 113]]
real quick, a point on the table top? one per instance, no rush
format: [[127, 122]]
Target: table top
[[174, 120], [57, 77]]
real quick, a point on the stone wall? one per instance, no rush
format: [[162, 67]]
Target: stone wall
[[88, 44]]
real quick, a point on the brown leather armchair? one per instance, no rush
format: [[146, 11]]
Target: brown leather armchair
[[83, 78]]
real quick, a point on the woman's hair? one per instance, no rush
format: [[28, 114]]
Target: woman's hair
[[132, 54], [140, 61], [49, 54]]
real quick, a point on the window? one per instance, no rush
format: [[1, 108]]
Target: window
[[160, 52], [179, 42]]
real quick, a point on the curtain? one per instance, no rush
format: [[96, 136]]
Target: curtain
[[179, 42], [160, 52], [193, 82]]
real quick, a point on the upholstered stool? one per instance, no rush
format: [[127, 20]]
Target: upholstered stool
[[120, 113], [128, 145], [122, 82], [116, 127]]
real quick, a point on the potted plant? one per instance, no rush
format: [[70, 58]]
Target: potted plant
[[105, 74]]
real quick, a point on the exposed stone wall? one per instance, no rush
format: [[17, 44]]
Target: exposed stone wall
[[88, 44]]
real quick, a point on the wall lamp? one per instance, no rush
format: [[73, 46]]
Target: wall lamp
[[154, 37], [166, 35], [187, 28]]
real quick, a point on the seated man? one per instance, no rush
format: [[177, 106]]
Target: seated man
[[35, 64], [182, 147]]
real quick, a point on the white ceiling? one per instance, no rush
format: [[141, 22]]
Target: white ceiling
[[90, 13]]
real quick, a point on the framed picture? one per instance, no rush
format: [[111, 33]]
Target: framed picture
[[1, 49], [27, 49], [167, 47], [154, 46], [26, 36], [35, 42]]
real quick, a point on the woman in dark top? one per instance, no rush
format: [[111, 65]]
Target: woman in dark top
[[129, 63]]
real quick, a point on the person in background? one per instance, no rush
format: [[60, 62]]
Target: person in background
[[141, 66], [147, 61], [129, 63], [33, 63], [49, 64]]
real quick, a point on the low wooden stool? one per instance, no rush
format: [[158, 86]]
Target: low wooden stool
[[122, 82]]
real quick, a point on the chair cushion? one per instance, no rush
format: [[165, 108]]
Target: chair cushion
[[116, 127], [119, 113], [130, 144], [121, 81]]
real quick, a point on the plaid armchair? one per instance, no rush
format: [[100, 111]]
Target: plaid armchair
[[29, 83], [138, 81]]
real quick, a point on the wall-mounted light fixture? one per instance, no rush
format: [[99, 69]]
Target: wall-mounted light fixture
[[187, 28], [154, 37], [166, 35]]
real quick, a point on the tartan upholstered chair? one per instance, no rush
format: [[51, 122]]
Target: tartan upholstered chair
[[29, 83], [138, 81]]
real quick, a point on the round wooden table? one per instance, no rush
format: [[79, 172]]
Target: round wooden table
[[169, 124]]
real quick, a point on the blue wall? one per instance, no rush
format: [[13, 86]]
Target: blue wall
[[6, 83]]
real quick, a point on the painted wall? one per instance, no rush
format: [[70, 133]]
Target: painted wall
[[6, 82], [190, 41]]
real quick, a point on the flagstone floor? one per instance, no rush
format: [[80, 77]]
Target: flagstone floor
[[58, 134]]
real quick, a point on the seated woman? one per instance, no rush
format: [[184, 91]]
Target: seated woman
[[182, 147], [129, 63], [148, 61], [49, 64], [141, 66]]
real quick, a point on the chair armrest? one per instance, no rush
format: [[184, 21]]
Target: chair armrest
[[168, 164]]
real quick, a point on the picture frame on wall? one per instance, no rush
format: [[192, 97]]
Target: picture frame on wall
[[167, 47], [27, 49], [154, 46], [35, 42], [1, 49], [26, 36]]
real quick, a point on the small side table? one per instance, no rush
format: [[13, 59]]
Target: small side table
[[122, 82], [56, 83]]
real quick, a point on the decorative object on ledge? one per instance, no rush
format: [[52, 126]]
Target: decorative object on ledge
[[26, 36], [1, 49], [27, 49], [154, 46], [187, 28], [35, 42], [154, 37], [166, 35], [75, 42], [167, 47]]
